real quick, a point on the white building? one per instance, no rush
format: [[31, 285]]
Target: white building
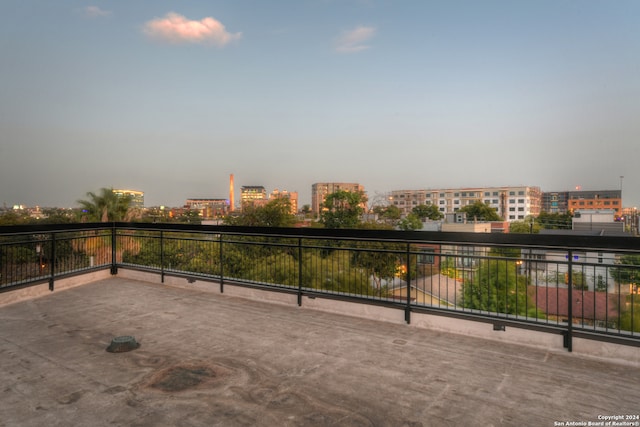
[[511, 203]]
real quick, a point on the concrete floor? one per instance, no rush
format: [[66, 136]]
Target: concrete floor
[[208, 359]]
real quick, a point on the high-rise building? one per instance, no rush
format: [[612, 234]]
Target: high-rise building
[[254, 195], [284, 194], [510, 203], [137, 197], [320, 190]]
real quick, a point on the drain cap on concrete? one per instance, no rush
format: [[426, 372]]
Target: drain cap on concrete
[[123, 344]]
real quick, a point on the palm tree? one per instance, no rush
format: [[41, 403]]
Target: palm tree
[[105, 206]]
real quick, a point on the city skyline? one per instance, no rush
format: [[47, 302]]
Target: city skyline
[[170, 98]]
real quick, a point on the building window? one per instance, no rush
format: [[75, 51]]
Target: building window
[[520, 200], [521, 193], [426, 256], [512, 193], [512, 201]]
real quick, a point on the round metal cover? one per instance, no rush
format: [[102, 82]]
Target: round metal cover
[[122, 344]]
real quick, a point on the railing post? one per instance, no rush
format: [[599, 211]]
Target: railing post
[[161, 256], [221, 267], [299, 271], [568, 338], [114, 265], [53, 261], [407, 310]]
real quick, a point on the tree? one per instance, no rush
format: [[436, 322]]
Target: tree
[[343, 209], [425, 212], [410, 222], [553, 221], [481, 212], [496, 287], [527, 226], [388, 214], [276, 213], [105, 206], [628, 271]]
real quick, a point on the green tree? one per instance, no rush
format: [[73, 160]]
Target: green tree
[[410, 222], [425, 212], [628, 270], [57, 216], [496, 287], [343, 209], [481, 212], [12, 217], [105, 206], [528, 226], [552, 221], [276, 213], [388, 214]]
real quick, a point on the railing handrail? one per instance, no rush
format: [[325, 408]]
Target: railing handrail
[[461, 254], [564, 241]]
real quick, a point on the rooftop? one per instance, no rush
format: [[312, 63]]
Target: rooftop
[[210, 359]]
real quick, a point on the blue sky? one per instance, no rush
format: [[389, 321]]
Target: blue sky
[[171, 97]]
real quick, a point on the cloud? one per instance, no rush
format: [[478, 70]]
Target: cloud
[[354, 40], [175, 28], [95, 12]]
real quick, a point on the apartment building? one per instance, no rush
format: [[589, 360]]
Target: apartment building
[[284, 194], [320, 190], [511, 203], [570, 201], [605, 199]]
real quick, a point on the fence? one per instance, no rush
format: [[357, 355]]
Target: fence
[[573, 285]]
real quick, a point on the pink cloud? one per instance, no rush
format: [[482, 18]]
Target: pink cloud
[[354, 40], [175, 28]]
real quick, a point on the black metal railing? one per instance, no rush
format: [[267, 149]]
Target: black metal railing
[[573, 285]]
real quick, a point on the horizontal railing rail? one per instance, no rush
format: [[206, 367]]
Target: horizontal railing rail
[[572, 285]]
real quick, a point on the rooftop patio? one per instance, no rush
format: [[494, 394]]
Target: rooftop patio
[[210, 358]]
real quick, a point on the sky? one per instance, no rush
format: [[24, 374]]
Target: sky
[[171, 97]]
